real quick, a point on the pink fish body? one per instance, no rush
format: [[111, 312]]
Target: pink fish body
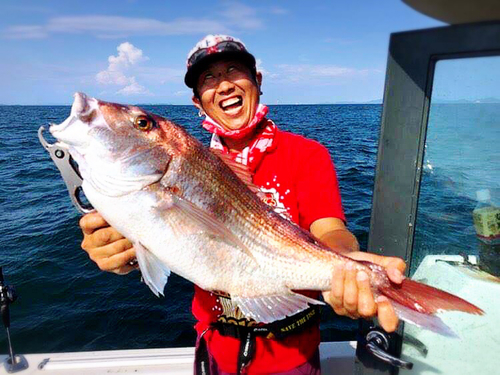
[[187, 210]]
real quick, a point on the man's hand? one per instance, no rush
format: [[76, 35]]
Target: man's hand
[[351, 294], [105, 246]]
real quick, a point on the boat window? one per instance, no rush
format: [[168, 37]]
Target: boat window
[[457, 235]]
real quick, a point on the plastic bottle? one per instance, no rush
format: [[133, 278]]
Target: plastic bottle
[[486, 218], [487, 224]]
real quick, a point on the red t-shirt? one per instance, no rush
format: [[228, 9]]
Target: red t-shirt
[[299, 180]]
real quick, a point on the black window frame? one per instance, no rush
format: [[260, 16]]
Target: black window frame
[[407, 95]]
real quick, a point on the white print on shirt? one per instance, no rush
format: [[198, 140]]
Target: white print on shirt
[[272, 198]]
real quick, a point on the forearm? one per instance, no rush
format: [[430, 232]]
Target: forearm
[[340, 240]]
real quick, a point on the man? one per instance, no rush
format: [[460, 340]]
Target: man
[[298, 178]]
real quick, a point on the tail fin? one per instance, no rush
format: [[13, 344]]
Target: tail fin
[[427, 299], [416, 303], [431, 322]]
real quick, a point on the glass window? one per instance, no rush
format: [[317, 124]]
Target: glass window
[[457, 235]]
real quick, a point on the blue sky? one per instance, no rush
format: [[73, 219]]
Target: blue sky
[[135, 51]]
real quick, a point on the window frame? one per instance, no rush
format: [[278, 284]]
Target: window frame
[[407, 94]]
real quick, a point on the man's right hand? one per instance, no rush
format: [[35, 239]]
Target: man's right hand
[[105, 246]]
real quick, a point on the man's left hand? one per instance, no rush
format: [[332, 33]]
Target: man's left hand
[[351, 293]]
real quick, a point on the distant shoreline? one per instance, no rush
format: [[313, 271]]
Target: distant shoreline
[[459, 102], [183, 105]]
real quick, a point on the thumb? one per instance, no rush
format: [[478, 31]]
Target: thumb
[[394, 266]]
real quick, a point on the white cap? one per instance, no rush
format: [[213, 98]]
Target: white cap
[[483, 195]]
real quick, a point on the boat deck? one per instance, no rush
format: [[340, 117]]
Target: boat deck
[[335, 356]]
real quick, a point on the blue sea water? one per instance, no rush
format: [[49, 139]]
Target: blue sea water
[[65, 303]]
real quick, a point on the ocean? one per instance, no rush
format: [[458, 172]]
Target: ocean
[[67, 304]]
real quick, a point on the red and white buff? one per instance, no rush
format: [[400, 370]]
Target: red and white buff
[[215, 128], [264, 140]]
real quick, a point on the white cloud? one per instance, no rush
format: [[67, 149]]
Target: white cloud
[[241, 16], [107, 77], [229, 17], [160, 74], [278, 10], [120, 70], [235, 17], [320, 74], [26, 32], [260, 68], [265, 73], [114, 27], [134, 89], [183, 93]]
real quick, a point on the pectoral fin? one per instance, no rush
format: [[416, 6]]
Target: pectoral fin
[[154, 273], [267, 309], [206, 221]]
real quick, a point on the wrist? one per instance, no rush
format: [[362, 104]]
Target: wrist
[[341, 240]]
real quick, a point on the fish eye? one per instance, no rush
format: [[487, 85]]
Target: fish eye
[[144, 123]]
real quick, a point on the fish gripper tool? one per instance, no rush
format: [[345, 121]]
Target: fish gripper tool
[[69, 172]]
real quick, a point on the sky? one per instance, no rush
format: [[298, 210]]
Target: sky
[[310, 52]]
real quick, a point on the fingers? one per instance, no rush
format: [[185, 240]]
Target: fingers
[[100, 238], [351, 290], [395, 267], [343, 295], [387, 317], [336, 296], [105, 245], [366, 303], [118, 263], [100, 254], [125, 270], [121, 262], [351, 295], [92, 221], [395, 275]]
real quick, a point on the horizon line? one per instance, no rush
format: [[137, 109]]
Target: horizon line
[[185, 105]]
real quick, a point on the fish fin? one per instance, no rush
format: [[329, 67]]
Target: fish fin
[[267, 309], [426, 299], [431, 322], [205, 220], [241, 170], [154, 273]]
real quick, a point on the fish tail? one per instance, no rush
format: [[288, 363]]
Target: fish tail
[[417, 303], [426, 299]]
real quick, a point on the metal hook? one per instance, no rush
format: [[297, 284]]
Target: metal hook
[[69, 171]]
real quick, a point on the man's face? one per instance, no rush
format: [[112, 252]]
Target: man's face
[[228, 93]]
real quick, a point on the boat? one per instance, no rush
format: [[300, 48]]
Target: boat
[[414, 59]]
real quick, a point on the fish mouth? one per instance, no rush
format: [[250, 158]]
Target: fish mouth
[[73, 131]]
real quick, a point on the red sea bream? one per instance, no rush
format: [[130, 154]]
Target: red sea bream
[[189, 210]]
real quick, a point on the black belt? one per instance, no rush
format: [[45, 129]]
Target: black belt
[[247, 334]]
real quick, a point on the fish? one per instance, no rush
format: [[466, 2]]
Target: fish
[[193, 211]]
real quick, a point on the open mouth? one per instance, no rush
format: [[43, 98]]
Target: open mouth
[[231, 104]]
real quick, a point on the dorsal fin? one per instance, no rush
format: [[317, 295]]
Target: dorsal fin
[[240, 170]]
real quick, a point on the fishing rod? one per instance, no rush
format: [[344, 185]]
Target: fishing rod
[[13, 363]]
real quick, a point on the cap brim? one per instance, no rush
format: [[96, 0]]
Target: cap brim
[[191, 77]]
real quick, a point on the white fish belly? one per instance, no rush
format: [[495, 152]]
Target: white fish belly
[[187, 250]]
